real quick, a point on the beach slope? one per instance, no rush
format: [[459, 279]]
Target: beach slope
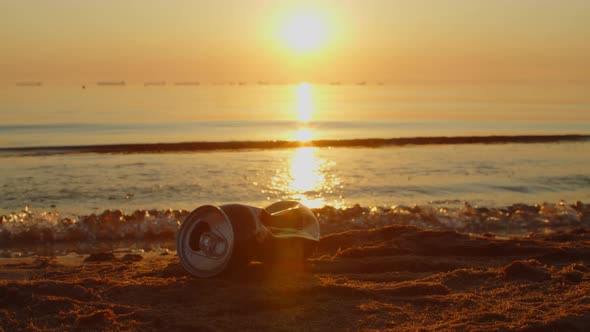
[[396, 277]]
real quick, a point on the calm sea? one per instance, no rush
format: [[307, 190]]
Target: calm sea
[[443, 174]]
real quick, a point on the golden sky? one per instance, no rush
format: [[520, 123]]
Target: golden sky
[[360, 40]]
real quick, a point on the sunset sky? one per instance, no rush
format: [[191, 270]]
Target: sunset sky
[[289, 41]]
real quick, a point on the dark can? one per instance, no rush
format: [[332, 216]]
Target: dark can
[[216, 239]]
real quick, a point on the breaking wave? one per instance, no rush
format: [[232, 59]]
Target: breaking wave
[[280, 144], [41, 227]]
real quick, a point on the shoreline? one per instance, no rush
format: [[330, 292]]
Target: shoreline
[[114, 229]]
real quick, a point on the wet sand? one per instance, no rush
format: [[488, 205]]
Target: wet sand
[[396, 277]]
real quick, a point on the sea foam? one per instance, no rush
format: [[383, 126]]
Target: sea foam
[[43, 227]]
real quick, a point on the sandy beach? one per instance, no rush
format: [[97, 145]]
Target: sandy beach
[[295, 165], [394, 277]]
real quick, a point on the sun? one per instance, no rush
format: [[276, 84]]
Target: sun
[[305, 32]]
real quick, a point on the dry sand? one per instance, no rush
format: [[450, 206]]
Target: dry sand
[[396, 277]]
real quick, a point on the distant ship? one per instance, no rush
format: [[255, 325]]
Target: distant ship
[[158, 83], [362, 83], [193, 83], [110, 83], [31, 83]]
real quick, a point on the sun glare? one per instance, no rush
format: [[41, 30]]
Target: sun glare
[[305, 32], [307, 178], [304, 99], [306, 172], [303, 135]]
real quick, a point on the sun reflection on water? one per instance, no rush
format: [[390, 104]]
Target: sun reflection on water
[[304, 99], [306, 172], [308, 179], [303, 135]]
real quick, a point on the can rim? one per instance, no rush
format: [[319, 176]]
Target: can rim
[[182, 242]]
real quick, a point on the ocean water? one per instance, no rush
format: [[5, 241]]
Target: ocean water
[[448, 175], [438, 174], [69, 115]]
